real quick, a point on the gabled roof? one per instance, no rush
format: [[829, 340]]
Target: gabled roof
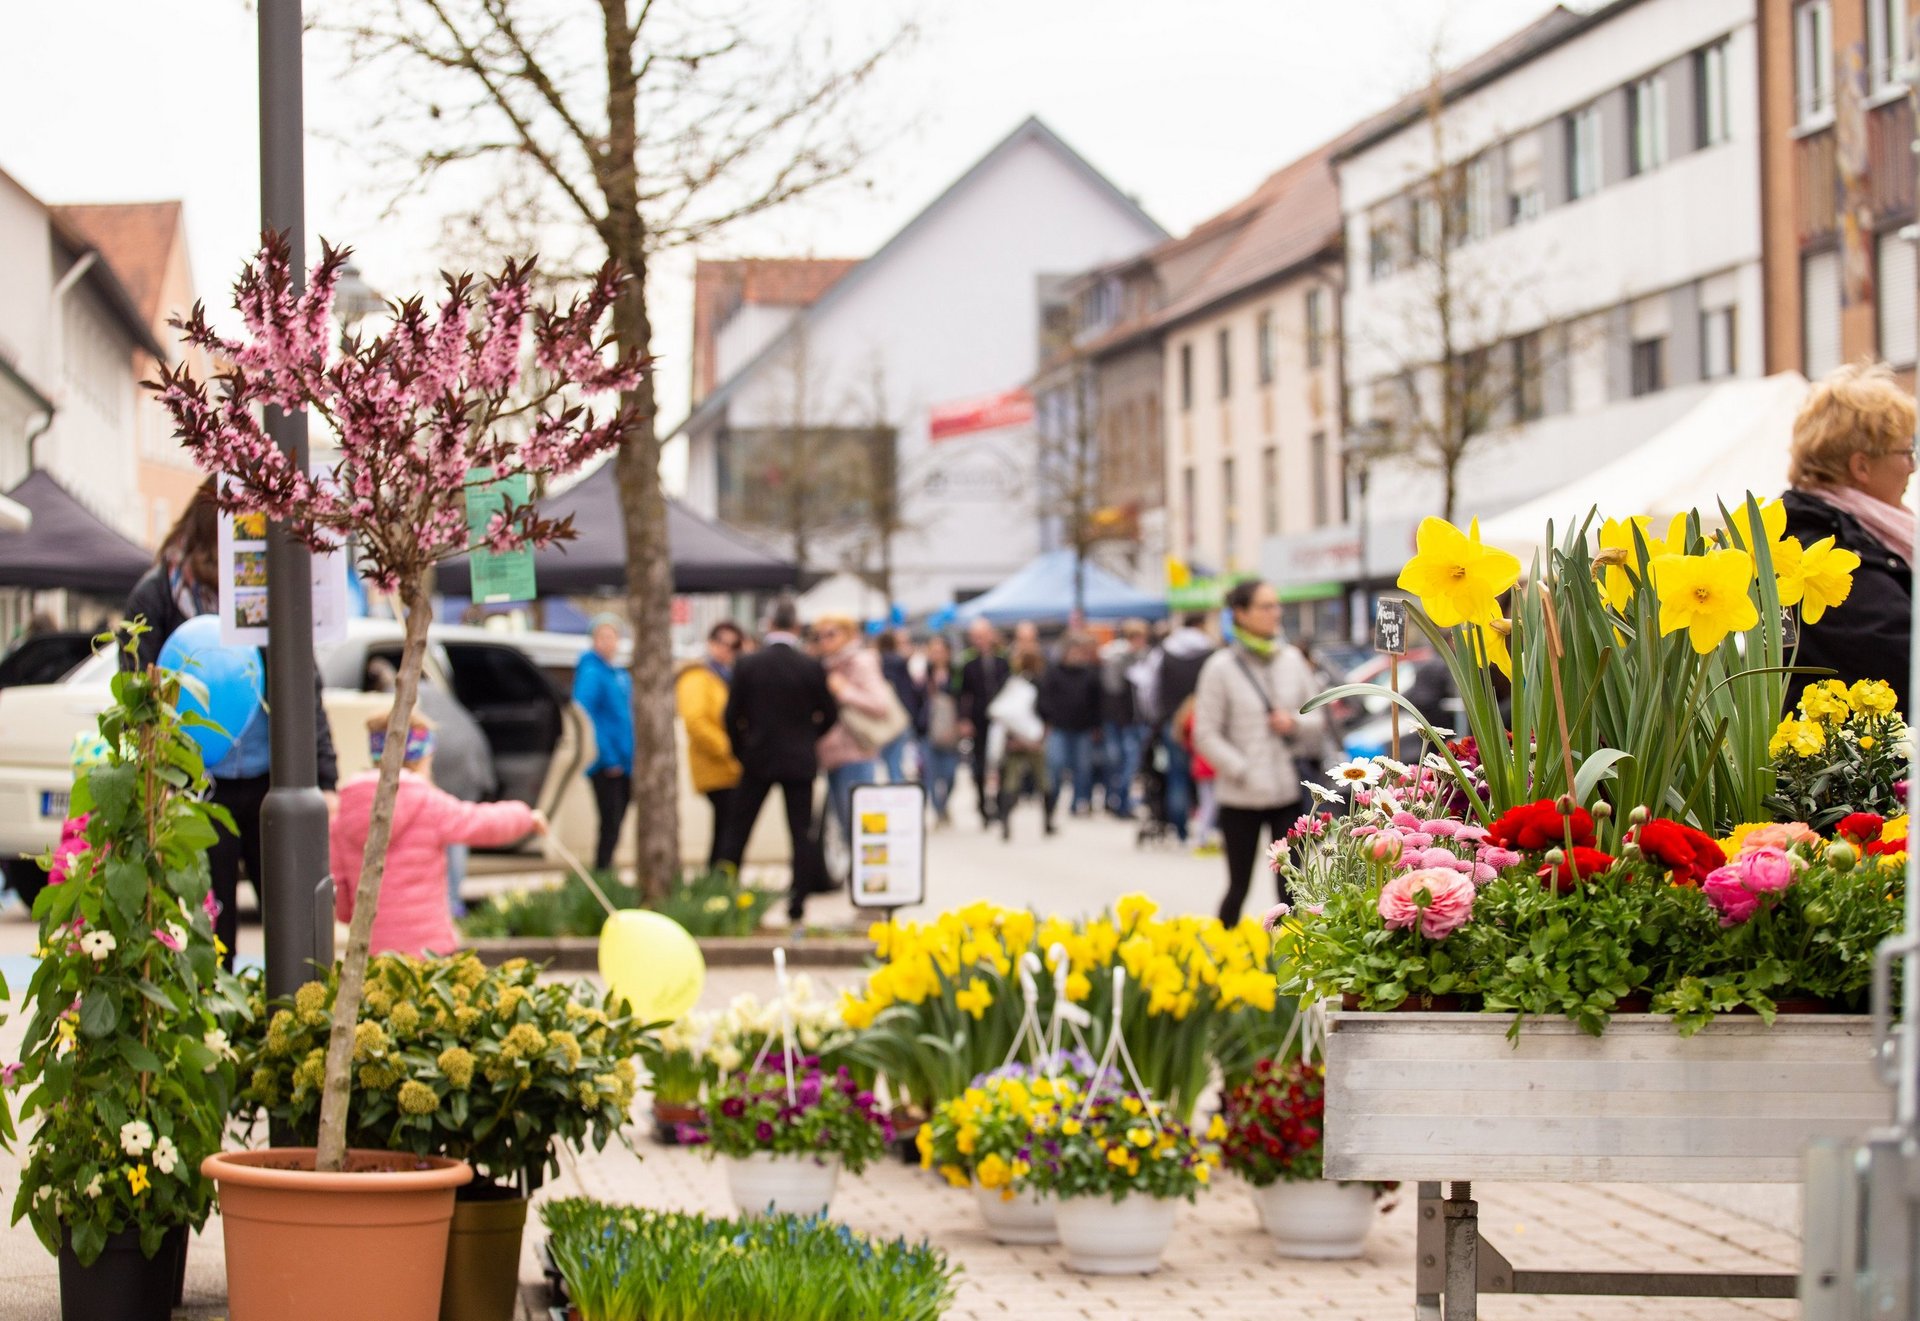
[[1032, 130], [720, 288], [135, 238], [1296, 220], [1556, 27]]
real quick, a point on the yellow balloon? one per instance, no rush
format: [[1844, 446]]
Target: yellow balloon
[[650, 961]]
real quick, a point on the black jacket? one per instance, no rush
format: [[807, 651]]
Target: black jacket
[[777, 709], [978, 681], [152, 600], [1867, 635], [1070, 698], [899, 676]]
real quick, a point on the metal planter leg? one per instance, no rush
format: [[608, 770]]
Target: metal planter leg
[[1462, 1220]]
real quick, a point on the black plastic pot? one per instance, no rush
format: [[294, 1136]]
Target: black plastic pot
[[123, 1284]]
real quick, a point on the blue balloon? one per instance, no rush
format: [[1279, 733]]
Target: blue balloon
[[234, 680]]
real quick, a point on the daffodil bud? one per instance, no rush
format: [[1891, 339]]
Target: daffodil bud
[[1504, 627], [1609, 557], [1841, 856]]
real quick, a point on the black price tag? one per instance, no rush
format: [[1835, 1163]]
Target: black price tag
[[1390, 628]]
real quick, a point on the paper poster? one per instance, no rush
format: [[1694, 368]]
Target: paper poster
[[889, 845], [496, 577], [245, 591]]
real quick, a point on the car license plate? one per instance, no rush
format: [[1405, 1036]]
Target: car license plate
[[53, 803]]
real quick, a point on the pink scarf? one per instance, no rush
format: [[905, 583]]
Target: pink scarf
[[1890, 525]]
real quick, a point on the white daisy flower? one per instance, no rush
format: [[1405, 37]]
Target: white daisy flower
[[135, 1137], [93, 1188], [1355, 774], [99, 944], [165, 1155], [1320, 793]]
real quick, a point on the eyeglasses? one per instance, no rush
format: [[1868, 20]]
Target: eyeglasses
[[1906, 453]]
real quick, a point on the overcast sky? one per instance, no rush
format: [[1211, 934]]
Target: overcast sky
[[1186, 104]]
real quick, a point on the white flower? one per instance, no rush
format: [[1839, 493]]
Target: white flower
[[717, 904], [1320, 793], [135, 1137], [1353, 774], [1397, 767], [93, 1188], [165, 1156], [99, 944], [41, 1194], [810, 1038], [727, 1057], [216, 1041]]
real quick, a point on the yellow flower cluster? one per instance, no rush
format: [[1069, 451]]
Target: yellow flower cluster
[[1825, 707], [1183, 963]]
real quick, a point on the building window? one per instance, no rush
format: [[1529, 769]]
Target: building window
[[1317, 451], [1224, 346], [1820, 313], [1190, 503], [1478, 222], [1426, 226], [1381, 256], [1649, 366], [1529, 378], [1647, 124], [1270, 491], [1316, 327], [1716, 343], [1263, 344], [1813, 63], [1525, 197], [1710, 122], [1583, 153], [1186, 376], [1893, 289], [1888, 45], [1230, 511]]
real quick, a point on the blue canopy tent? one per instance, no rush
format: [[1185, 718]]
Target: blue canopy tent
[[1043, 592]]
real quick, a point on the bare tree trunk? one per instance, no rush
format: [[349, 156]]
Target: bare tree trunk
[[332, 1150]]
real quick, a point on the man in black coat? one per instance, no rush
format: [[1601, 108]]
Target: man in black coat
[[978, 679], [777, 709], [1070, 700]]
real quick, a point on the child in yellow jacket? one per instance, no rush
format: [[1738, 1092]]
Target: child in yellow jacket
[[700, 693]]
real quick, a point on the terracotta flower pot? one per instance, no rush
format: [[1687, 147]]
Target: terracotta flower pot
[[668, 1116], [482, 1280], [370, 1243]]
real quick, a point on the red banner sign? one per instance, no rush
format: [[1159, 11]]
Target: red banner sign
[[988, 413]]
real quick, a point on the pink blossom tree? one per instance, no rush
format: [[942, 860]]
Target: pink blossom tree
[[440, 402]]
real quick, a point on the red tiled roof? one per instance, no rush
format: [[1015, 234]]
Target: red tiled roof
[[135, 239], [720, 288]]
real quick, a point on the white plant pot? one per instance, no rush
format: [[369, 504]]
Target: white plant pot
[[764, 1183], [1104, 1237], [1026, 1217], [1317, 1219]]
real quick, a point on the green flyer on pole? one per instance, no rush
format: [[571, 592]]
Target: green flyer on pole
[[497, 577]]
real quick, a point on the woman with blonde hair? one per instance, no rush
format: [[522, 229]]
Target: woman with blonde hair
[[848, 755], [1851, 461]]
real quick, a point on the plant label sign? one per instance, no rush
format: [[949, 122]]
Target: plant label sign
[[889, 845], [1390, 628], [497, 576], [246, 594]]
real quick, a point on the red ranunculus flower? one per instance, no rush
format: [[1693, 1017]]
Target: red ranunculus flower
[[1885, 847], [1685, 852], [1582, 863], [1860, 827], [1532, 827]]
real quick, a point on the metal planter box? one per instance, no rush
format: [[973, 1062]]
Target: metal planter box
[[1448, 1096]]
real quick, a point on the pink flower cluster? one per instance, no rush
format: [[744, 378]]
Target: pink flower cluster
[[1412, 844], [1438, 899], [1735, 889]]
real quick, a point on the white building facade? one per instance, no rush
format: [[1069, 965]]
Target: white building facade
[[932, 338], [1602, 245]]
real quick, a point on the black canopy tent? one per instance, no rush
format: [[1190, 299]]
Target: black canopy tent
[[66, 546], [708, 556]]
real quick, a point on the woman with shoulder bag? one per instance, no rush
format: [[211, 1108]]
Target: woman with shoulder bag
[[1247, 723], [939, 727], [871, 715]]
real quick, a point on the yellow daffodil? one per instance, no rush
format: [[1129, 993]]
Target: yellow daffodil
[[1458, 580], [976, 999], [1803, 738], [1872, 697], [1620, 575], [1493, 641], [1133, 909], [1705, 595], [1826, 575]]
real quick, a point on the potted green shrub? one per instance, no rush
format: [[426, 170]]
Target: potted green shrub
[[439, 409], [1273, 1124], [786, 1137], [1118, 1168], [125, 1064], [489, 1066], [679, 1067]]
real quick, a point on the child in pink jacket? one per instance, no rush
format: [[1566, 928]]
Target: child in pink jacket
[[414, 917]]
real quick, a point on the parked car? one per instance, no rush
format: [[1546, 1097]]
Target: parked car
[[45, 658]]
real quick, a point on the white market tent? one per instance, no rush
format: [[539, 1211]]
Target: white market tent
[[1732, 442], [842, 594]]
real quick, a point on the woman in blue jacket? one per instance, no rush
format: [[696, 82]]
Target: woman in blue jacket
[[605, 692]]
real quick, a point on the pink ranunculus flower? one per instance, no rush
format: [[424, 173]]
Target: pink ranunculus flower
[[1385, 847], [1449, 901], [1766, 870], [1726, 890], [1780, 836], [1735, 889]]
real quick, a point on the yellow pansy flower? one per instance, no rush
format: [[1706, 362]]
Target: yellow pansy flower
[[1131, 1104], [1458, 579], [1706, 595], [1217, 1129], [1203, 1173], [923, 1143], [992, 1172], [1140, 1136], [956, 1176], [1070, 1128]]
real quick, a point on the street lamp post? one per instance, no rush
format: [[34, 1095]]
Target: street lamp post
[[295, 890], [1366, 443]]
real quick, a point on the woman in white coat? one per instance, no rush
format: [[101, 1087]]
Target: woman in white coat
[[1248, 726]]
